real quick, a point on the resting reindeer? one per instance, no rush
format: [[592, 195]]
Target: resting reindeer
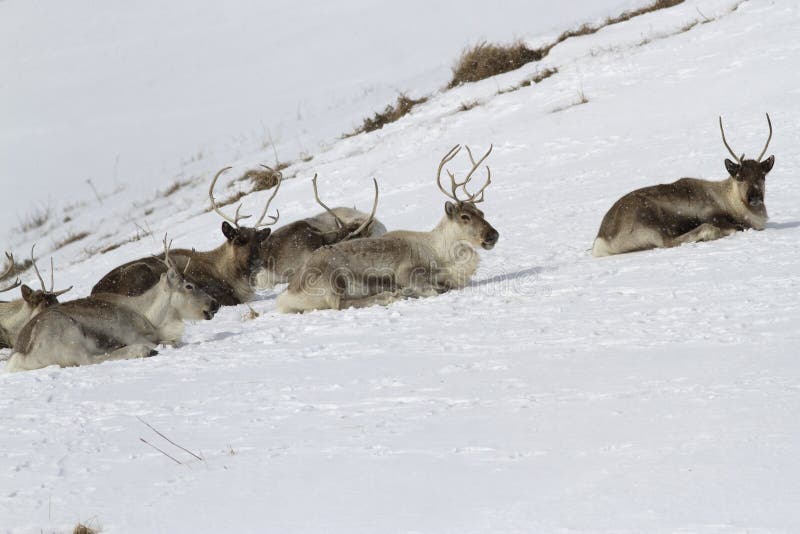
[[689, 209], [289, 246], [399, 264], [225, 273], [112, 327], [14, 314]]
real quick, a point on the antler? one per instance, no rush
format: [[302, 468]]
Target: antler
[[340, 223], [214, 206], [12, 268], [769, 122], [167, 261], [50, 291], [725, 142], [454, 185], [269, 201], [369, 219]]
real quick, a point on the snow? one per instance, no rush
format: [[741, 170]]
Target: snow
[[652, 392]]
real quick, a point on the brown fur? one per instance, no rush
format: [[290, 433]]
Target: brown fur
[[687, 210], [397, 265], [224, 273]]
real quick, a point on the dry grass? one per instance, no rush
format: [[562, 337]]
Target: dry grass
[[18, 268], [262, 178], [230, 200], [539, 77], [390, 113], [466, 106], [80, 528], [485, 59], [72, 237], [580, 101], [588, 29], [175, 187], [34, 220]]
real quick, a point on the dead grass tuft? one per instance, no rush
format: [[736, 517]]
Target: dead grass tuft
[[468, 105], [262, 178], [390, 113], [80, 528], [588, 29], [580, 101], [485, 60], [175, 187], [70, 238], [539, 77], [34, 220]]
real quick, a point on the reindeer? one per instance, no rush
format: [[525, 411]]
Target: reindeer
[[399, 264], [225, 273], [108, 326], [289, 246], [690, 209], [14, 314]]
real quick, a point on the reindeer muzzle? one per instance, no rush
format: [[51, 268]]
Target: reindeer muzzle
[[490, 240], [213, 309]]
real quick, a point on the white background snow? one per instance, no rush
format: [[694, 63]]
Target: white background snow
[[651, 392]]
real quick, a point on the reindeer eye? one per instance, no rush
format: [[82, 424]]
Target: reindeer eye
[[189, 287], [465, 217]]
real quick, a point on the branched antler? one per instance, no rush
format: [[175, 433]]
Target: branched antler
[[339, 222], [732, 153], [50, 291], [474, 198], [237, 217], [274, 218]]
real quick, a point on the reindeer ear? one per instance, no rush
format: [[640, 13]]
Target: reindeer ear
[[767, 164], [229, 231], [450, 208], [731, 167], [27, 293], [263, 234]]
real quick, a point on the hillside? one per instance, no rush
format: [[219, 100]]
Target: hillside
[[651, 392]]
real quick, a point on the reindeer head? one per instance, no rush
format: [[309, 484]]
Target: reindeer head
[[186, 299], [244, 243], [468, 221], [44, 298], [749, 175]]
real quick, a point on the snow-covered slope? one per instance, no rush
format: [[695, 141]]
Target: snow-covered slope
[[137, 94], [651, 392]]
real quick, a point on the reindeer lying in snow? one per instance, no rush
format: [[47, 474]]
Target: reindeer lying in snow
[[689, 209], [250, 258], [399, 264], [14, 314], [224, 273], [112, 327], [289, 246]]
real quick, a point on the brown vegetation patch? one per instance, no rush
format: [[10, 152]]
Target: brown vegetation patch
[[581, 100], [466, 106], [175, 187], [263, 178], [485, 60], [539, 77], [390, 113], [34, 220], [80, 528], [71, 238]]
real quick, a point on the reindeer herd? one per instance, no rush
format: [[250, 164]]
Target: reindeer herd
[[337, 259]]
